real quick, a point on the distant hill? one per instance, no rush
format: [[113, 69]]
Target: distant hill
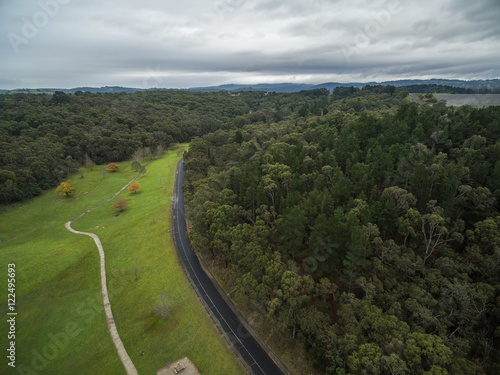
[[330, 86], [110, 89], [280, 87], [475, 84], [440, 84], [271, 87], [105, 89]]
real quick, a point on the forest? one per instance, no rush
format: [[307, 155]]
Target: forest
[[45, 137], [365, 227]]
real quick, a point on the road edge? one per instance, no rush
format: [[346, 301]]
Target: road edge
[[270, 352]]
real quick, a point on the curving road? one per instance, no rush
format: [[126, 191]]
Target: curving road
[[254, 355], [416, 99]]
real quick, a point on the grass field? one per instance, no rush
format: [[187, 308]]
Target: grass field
[[61, 326]]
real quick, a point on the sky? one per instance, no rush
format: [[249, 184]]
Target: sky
[[188, 43]]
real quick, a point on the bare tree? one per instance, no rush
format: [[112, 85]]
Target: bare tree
[[136, 270], [136, 165], [88, 163], [160, 150], [180, 149], [162, 306], [138, 155]]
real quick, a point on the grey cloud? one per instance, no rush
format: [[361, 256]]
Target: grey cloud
[[197, 42]]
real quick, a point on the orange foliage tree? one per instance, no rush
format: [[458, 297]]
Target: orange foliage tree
[[134, 187], [113, 167], [120, 204]]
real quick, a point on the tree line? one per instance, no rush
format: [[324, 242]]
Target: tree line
[[370, 236], [45, 137]]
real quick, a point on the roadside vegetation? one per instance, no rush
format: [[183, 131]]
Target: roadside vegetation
[[368, 235]]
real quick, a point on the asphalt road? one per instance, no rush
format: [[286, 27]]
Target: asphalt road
[[253, 354], [416, 99]]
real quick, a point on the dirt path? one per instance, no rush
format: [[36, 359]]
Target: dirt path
[[122, 352], [113, 331]]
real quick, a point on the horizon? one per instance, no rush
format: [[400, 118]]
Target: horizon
[[247, 84]]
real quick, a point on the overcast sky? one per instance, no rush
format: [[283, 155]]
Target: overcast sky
[[186, 43]]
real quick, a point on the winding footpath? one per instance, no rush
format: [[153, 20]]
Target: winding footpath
[[113, 331]]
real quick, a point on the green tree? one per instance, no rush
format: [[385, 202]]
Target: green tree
[[428, 353], [366, 360], [292, 230]]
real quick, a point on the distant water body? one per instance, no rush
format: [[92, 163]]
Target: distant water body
[[475, 100]]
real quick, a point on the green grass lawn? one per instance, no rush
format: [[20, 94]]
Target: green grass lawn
[[61, 325]]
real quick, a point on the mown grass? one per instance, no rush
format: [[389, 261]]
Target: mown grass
[[61, 326]]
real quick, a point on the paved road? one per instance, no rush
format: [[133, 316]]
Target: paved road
[[417, 100], [253, 354]]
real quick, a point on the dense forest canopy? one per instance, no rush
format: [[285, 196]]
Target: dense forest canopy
[[363, 226], [44, 137], [370, 236]]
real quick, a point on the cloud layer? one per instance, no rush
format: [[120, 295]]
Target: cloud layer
[[163, 43]]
